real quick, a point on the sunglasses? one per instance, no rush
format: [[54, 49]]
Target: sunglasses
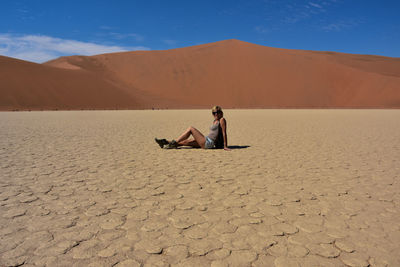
[[215, 112]]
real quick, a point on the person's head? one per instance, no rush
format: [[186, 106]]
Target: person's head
[[217, 112]]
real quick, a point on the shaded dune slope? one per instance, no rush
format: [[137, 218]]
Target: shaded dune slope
[[230, 73], [25, 85]]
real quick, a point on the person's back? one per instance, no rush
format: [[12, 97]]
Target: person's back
[[219, 142]]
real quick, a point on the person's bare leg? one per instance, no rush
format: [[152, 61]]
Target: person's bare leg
[[191, 142], [197, 135], [186, 134]]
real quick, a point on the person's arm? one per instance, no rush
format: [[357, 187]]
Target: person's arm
[[223, 127]]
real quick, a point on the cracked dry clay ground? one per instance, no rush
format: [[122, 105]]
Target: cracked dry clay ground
[[91, 188]]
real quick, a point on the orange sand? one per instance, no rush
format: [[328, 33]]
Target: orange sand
[[230, 73]]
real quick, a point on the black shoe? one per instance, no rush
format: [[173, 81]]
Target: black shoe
[[161, 142], [172, 144]]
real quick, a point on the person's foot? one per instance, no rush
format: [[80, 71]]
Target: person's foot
[[161, 142], [172, 144]]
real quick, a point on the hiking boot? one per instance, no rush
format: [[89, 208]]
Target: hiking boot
[[161, 142], [172, 144]]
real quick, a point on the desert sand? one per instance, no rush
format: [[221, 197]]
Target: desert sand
[[234, 73], [301, 188]]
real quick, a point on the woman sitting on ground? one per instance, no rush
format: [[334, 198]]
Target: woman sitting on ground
[[217, 137]]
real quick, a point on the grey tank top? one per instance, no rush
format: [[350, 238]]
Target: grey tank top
[[214, 131]]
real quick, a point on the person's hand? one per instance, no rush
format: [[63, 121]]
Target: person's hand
[[227, 148]]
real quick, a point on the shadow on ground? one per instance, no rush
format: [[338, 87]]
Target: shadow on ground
[[231, 147], [238, 147]]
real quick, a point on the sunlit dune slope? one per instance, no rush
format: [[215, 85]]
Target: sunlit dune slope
[[230, 73]]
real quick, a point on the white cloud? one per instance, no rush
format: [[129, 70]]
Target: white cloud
[[293, 13], [261, 29], [105, 27], [314, 5], [112, 32], [170, 42], [341, 25], [41, 48], [120, 36]]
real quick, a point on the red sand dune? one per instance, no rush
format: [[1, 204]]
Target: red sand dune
[[231, 73]]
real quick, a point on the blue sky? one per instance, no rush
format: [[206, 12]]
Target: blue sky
[[40, 30]]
